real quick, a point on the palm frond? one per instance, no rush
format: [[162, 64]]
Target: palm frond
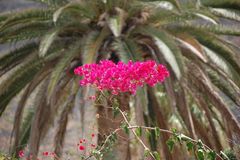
[[25, 129], [217, 45], [224, 86], [226, 13], [52, 3], [15, 57], [161, 18], [24, 35], [207, 18], [220, 29], [201, 102], [41, 116], [222, 64], [80, 8], [127, 49], [68, 55], [229, 4], [4, 16], [184, 110], [176, 3], [25, 31], [17, 81], [60, 134], [26, 17], [190, 43], [46, 41], [116, 21], [204, 85], [160, 119], [93, 42], [166, 4], [22, 104]]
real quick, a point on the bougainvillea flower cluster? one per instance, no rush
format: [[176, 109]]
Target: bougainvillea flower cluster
[[121, 77]]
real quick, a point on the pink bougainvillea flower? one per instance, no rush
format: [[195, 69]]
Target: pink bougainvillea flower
[[21, 154], [52, 154], [81, 148], [121, 77], [45, 153], [93, 145], [92, 135], [92, 97]]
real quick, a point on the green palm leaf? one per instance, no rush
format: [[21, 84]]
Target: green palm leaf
[[26, 17], [68, 55], [46, 42], [80, 8], [127, 49], [230, 4], [226, 13], [52, 2], [17, 81], [92, 44], [16, 56]]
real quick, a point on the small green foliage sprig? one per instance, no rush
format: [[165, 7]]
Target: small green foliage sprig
[[201, 150]]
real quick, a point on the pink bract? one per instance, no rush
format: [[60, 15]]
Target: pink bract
[[21, 154], [121, 77]]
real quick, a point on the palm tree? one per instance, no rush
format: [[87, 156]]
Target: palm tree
[[188, 37]]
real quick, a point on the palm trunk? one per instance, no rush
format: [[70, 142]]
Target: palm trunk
[[107, 124]]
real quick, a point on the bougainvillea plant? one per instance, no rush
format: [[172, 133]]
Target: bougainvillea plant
[[121, 77], [126, 78]]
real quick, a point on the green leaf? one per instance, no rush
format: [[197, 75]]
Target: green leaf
[[200, 144], [200, 154], [113, 137], [174, 130], [148, 134], [170, 143], [47, 41], [138, 131], [146, 152], [157, 132], [189, 145], [156, 155], [211, 155], [115, 111], [125, 128]]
